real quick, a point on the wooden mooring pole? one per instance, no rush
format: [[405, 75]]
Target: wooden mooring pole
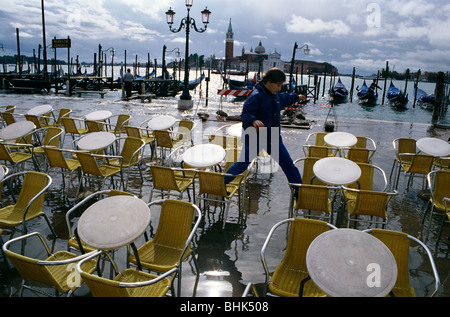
[[440, 82], [353, 84]]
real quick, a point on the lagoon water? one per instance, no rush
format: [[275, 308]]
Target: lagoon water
[[236, 249]]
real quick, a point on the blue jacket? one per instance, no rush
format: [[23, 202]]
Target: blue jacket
[[264, 106]]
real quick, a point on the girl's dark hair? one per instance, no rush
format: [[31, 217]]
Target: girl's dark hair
[[274, 75]]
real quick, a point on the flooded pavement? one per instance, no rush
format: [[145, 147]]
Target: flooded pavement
[[235, 250]]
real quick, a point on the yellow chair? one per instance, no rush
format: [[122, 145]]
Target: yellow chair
[[9, 118], [368, 203], [17, 158], [184, 132], [212, 188], [30, 201], [367, 148], [168, 179], [319, 151], [225, 141], [94, 126], [413, 165], [371, 178], [63, 112], [130, 155], [36, 120], [439, 185], [166, 142], [128, 283], [74, 212], [358, 155], [58, 270], [306, 165], [56, 159], [119, 126], [172, 243], [52, 137], [311, 198], [399, 244], [316, 138], [8, 109], [90, 169], [144, 134], [292, 270], [71, 127], [402, 146]]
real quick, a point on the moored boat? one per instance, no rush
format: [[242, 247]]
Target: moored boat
[[367, 95], [396, 97], [339, 92]]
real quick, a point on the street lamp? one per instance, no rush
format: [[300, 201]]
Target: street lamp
[[307, 51], [187, 22], [113, 53]]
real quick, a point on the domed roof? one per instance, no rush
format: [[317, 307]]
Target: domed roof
[[260, 49]]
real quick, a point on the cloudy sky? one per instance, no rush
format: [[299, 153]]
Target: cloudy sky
[[363, 34]]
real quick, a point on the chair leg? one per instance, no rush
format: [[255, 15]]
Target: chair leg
[[50, 226], [225, 217]]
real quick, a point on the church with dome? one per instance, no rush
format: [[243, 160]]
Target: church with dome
[[260, 60]]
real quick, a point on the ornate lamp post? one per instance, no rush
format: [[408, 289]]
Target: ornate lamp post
[[187, 23], [307, 50]]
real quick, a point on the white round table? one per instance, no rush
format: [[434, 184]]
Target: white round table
[[340, 139], [16, 130], [204, 155], [40, 110], [2, 173], [337, 171], [114, 222], [101, 115], [162, 123], [433, 146], [351, 263], [96, 141]]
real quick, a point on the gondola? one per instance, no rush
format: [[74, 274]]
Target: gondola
[[423, 97], [339, 92], [397, 98], [367, 95]]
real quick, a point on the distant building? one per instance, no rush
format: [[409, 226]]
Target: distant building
[[258, 60]]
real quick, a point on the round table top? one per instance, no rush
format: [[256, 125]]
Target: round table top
[[40, 110], [2, 173], [340, 139], [351, 263], [99, 115], [434, 146], [204, 155], [114, 222], [96, 141], [337, 171], [16, 130], [162, 123], [235, 130]]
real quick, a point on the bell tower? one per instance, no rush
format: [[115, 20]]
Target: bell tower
[[229, 44]]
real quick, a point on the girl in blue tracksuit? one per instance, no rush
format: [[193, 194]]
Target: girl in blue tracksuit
[[262, 110]]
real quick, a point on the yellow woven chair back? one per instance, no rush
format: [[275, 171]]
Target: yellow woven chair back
[[441, 188], [212, 183], [103, 287], [366, 179], [370, 203], [420, 164], [164, 178], [308, 174], [130, 146], [320, 138], [163, 139], [63, 112], [358, 155], [94, 126], [55, 157], [89, 164], [361, 142], [318, 151], [175, 224], [35, 120], [313, 197], [406, 145], [4, 153], [399, 244], [121, 123], [9, 118], [292, 270], [33, 183], [52, 136]]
